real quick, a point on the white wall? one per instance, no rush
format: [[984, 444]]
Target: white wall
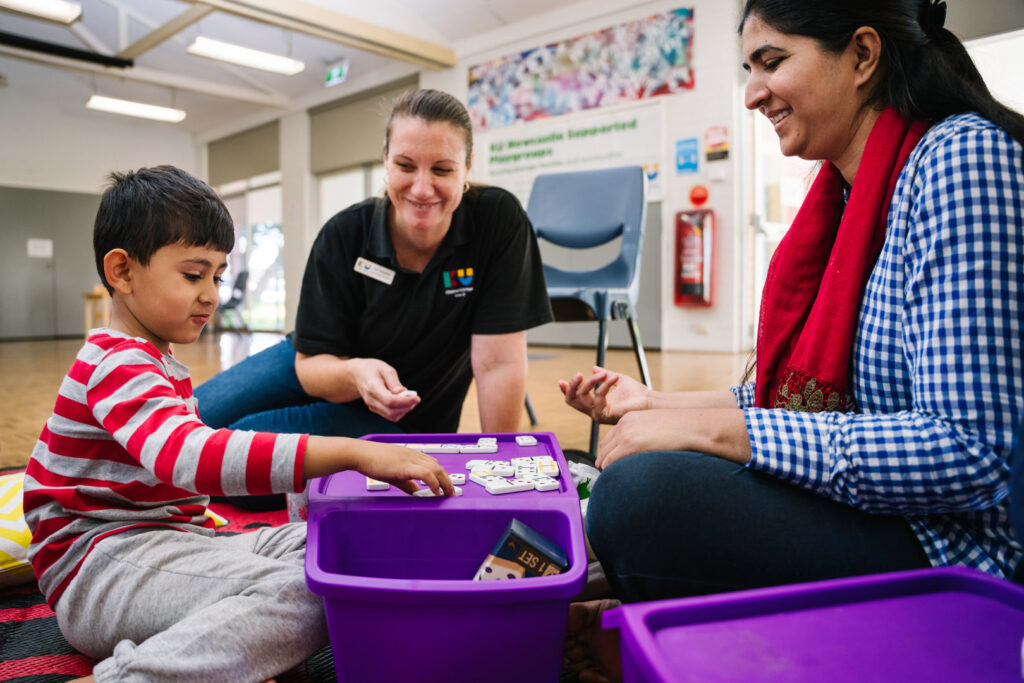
[[73, 150], [44, 147], [712, 101]]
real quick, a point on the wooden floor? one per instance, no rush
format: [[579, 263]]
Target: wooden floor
[[32, 372]]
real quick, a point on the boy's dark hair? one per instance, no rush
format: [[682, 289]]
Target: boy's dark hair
[[150, 208]]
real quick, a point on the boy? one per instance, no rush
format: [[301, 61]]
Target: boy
[[117, 486]]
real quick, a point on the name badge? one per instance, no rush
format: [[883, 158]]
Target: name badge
[[374, 270]]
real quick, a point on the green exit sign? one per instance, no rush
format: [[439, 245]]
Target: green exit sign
[[336, 73]]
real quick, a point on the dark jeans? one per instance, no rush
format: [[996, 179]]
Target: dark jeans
[[263, 394], [671, 524]]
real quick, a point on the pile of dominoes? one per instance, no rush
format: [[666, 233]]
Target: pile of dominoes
[[532, 473]]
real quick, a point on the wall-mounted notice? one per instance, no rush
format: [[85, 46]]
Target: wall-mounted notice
[[716, 143], [512, 157], [40, 248], [687, 156]]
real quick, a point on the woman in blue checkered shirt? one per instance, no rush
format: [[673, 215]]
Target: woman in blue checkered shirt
[[890, 380]]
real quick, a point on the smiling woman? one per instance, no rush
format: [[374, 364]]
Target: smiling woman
[[426, 164], [889, 388], [815, 105], [427, 288]]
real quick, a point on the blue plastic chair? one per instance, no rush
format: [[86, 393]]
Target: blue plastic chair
[[582, 210]]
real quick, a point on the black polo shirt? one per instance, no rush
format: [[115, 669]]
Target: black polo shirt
[[485, 278]]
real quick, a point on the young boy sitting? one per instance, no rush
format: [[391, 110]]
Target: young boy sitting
[[117, 487]]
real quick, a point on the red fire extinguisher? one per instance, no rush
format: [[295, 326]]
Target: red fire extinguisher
[[695, 233]]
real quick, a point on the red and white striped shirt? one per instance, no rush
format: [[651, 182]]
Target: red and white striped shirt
[[125, 448]]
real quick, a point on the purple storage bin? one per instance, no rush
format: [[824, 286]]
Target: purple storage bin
[[396, 571], [949, 624]]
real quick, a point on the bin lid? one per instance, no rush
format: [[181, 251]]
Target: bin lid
[[949, 624]]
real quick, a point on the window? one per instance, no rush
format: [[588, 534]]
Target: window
[[342, 189], [778, 185], [256, 207], [998, 59]]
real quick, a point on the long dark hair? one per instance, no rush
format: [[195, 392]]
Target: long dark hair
[[928, 73]]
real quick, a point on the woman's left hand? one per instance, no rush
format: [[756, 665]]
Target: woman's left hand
[[715, 431], [641, 431]]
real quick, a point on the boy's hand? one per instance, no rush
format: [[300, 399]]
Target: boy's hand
[[399, 466]]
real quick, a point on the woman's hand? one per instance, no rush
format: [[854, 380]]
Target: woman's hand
[[639, 432], [380, 388], [715, 431], [605, 396]]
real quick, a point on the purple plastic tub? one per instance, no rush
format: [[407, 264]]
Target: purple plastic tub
[[395, 573], [931, 625]]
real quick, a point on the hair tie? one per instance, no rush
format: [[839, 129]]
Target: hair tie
[[933, 16]]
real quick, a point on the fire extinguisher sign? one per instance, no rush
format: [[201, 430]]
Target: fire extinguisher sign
[[694, 257]]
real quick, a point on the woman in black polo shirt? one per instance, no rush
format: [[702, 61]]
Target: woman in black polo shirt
[[421, 290]]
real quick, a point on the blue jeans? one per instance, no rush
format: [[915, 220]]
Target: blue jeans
[[263, 394], [672, 524]]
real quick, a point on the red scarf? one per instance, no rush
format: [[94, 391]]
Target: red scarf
[[811, 298]]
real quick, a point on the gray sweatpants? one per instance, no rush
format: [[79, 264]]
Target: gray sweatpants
[[163, 605]]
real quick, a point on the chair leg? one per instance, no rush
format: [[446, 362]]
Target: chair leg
[[602, 349], [602, 341], [638, 349], [529, 411], [594, 427], [240, 325]]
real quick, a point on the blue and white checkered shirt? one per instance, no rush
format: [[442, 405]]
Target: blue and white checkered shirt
[[937, 371]]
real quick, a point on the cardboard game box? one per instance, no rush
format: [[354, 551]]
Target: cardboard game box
[[522, 552]]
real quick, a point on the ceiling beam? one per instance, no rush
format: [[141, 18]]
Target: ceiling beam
[[127, 11], [162, 33], [63, 52], [300, 16], [154, 77], [90, 39]]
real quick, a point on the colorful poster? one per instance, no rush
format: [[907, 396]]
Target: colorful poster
[[632, 61]]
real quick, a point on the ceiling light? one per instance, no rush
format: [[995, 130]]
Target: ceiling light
[[51, 10], [129, 108], [243, 56]]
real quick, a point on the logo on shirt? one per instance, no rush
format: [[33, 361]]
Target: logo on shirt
[[458, 282]]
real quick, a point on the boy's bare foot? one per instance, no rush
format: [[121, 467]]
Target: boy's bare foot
[[591, 651]]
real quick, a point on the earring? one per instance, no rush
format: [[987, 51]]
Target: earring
[[465, 188]]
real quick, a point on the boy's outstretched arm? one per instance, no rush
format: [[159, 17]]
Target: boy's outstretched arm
[[387, 462]]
